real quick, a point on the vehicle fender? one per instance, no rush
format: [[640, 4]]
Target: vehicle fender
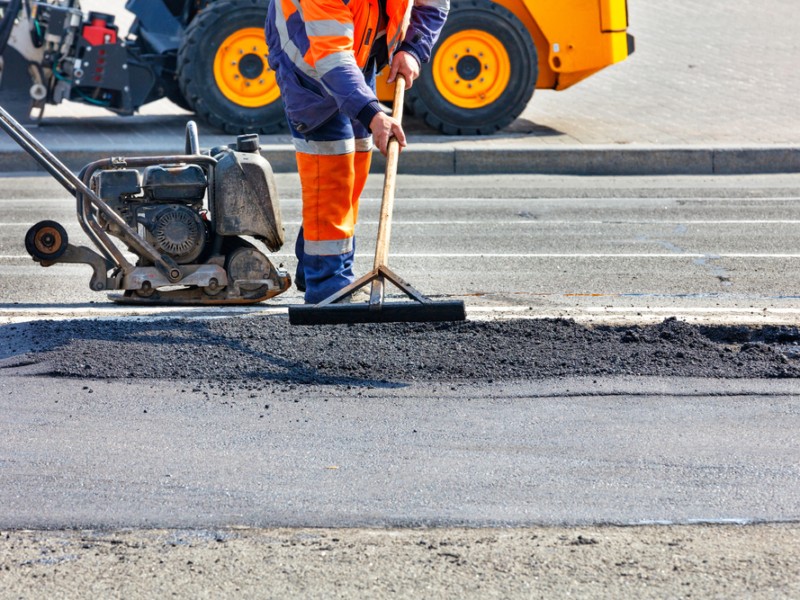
[[157, 24], [574, 38], [589, 38]]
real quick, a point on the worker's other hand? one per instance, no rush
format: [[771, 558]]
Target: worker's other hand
[[383, 128], [406, 65]]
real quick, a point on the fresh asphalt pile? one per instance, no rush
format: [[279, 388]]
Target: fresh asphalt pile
[[267, 350]]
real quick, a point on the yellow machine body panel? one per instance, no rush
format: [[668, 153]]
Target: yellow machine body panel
[[574, 39]]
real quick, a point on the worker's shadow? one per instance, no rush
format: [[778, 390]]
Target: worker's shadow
[[168, 347]]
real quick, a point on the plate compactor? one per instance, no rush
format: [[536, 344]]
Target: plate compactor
[[185, 217]]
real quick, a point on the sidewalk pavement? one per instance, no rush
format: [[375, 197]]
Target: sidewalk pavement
[[711, 89]]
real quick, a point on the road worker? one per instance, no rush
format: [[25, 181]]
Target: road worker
[[325, 54]]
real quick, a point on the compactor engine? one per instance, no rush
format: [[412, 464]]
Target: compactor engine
[[195, 222]]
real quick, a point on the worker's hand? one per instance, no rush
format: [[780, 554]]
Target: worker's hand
[[383, 128], [406, 65]]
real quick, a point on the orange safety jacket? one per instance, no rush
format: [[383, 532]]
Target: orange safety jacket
[[319, 49]]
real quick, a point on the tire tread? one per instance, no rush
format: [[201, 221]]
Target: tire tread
[[194, 90]]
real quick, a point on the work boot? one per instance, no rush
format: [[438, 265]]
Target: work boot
[[319, 277], [326, 275]]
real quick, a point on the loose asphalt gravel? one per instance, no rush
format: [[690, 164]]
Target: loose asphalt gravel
[[267, 350]]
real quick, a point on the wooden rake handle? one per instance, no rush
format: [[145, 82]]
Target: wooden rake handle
[[389, 181]]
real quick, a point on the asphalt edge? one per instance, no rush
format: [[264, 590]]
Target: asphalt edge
[[498, 160]]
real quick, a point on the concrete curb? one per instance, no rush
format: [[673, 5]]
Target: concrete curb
[[494, 158]]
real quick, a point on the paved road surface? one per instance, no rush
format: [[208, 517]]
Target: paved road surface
[[624, 249], [601, 250], [94, 454]]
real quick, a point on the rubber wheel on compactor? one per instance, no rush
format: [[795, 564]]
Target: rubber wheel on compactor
[[46, 241], [223, 72], [482, 72]]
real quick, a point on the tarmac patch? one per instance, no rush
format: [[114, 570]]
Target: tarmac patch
[[268, 349]]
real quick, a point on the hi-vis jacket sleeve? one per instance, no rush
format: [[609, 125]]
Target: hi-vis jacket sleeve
[[427, 19]]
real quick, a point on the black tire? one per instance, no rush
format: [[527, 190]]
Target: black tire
[[202, 40], [46, 241], [511, 95], [175, 96]]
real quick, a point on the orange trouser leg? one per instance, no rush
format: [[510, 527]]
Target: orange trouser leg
[[362, 162], [328, 214], [325, 252]]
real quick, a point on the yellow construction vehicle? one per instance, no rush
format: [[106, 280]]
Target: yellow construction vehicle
[[492, 54], [488, 60]]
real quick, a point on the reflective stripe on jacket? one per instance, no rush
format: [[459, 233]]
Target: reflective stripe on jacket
[[318, 49]]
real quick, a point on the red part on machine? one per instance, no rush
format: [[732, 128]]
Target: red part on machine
[[100, 31]]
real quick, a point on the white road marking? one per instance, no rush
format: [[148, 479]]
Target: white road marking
[[433, 200], [588, 255], [588, 315], [113, 311], [601, 315], [594, 255], [26, 202], [539, 222]]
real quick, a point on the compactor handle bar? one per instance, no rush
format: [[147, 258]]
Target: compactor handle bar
[[75, 186]]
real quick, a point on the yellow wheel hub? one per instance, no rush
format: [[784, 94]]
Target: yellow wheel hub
[[471, 68], [241, 70]]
